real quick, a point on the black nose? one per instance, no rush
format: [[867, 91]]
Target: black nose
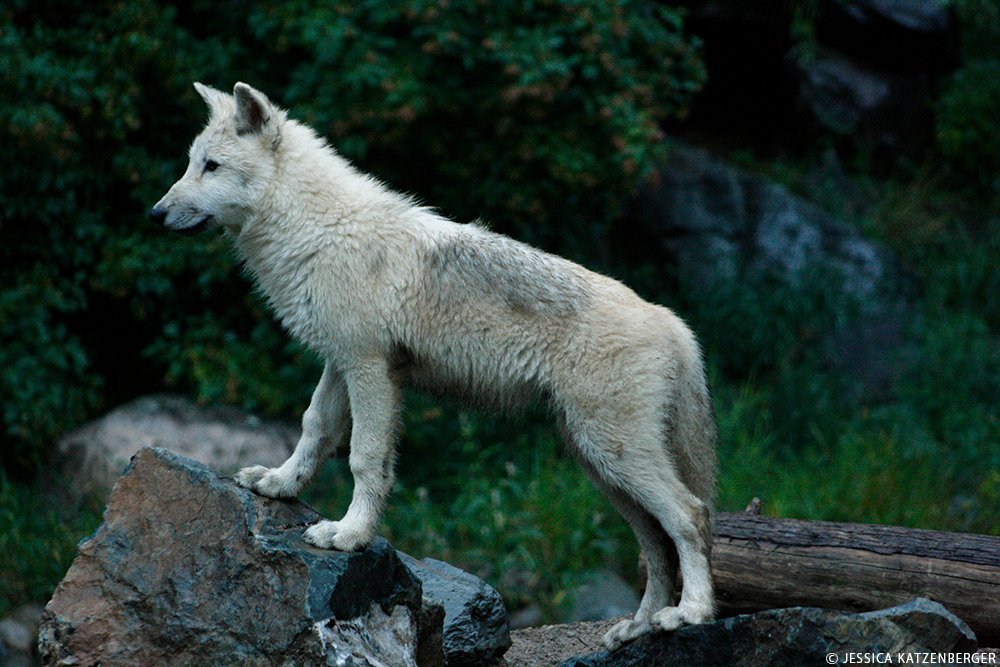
[[158, 215]]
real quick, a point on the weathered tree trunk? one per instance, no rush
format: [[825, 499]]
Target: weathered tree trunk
[[761, 563]]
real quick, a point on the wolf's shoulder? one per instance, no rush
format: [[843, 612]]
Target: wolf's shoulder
[[476, 261]]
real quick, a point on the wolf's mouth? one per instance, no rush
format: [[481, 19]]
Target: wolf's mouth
[[196, 228]]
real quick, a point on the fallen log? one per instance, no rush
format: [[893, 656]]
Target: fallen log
[[763, 563]]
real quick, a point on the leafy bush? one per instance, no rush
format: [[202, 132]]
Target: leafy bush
[[536, 116], [37, 541], [968, 123], [953, 386], [73, 176]]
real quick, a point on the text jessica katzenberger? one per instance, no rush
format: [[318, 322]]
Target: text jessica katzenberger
[[912, 658]]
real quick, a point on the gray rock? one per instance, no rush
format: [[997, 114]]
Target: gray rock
[[224, 438], [794, 637], [189, 569], [476, 631], [373, 639], [921, 16], [430, 628], [903, 35], [718, 222], [19, 636], [526, 617], [875, 108], [16, 636], [602, 595], [930, 623], [841, 93], [30, 614]]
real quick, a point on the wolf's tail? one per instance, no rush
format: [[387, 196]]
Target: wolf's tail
[[693, 429]]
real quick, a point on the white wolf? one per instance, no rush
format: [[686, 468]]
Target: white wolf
[[389, 293]]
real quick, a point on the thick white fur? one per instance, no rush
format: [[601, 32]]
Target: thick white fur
[[390, 293]]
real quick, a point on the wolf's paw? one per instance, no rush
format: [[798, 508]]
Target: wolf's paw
[[671, 618], [338, 535], [624, 632], [268, 482]]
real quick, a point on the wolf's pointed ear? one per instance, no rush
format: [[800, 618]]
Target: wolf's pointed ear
[[254, 111], [213, 98]]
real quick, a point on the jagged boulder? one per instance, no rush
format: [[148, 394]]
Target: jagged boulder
[[476, 630], [797, 636], [189, 568]]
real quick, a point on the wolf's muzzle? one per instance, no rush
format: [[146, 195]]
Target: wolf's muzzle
[[158, 216]]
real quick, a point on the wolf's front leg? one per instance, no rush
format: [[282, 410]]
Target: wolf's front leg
[[375, 403], [325, 425]]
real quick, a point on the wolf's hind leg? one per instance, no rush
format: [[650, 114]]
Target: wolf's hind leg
[[661, 562], [375, 403], [631, 461], [325, 424]]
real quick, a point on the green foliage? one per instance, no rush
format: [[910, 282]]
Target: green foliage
[[953, 386], [552, 108], [794, 433], [43, 364], [968, 123], [979, 24], [529, 528], [77, 165], [802, 30], [890, 464], [759, 322], [37, 541]]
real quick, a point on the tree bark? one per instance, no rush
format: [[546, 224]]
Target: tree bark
[[763, 563]]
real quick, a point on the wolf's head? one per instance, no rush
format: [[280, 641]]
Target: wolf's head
[[231, 163]]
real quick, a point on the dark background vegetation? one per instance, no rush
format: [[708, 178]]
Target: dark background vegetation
[[542, 119]]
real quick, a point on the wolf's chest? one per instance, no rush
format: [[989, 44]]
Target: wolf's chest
[[294, 304], [287, 281], [324, 302]]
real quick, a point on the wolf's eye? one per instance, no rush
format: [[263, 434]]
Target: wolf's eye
[[211, 165]]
